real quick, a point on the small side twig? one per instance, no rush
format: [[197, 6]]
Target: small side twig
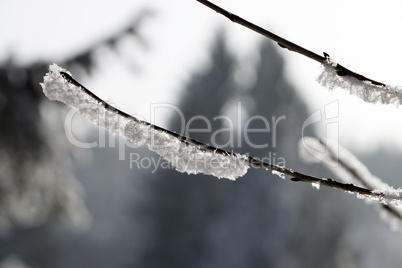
[[340, 70]]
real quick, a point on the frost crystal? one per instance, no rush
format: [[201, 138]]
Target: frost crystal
[[362, 89], [316, 185], [184, 157], [280, 174]]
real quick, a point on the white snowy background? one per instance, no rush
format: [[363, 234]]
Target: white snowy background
[[361, 35]]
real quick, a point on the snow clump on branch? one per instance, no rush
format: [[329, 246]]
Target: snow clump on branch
[[186, 158], [332, 78]]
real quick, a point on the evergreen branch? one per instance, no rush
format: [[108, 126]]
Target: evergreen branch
[[253, 161], [283, 43]]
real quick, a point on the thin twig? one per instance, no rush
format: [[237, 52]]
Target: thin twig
[[340, 70], [354, 172], [254, 161]]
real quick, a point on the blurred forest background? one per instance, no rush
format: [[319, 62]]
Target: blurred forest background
[[62, 206]]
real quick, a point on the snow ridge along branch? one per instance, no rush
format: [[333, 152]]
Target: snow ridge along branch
[[181, 151]]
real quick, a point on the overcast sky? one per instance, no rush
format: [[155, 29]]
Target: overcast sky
[[361, 35]]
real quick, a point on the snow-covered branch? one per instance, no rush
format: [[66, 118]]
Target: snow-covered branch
[[187, 155], [334, 75]]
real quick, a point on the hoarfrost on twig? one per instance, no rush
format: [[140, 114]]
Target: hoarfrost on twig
[[332, 78], [58, 85]]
